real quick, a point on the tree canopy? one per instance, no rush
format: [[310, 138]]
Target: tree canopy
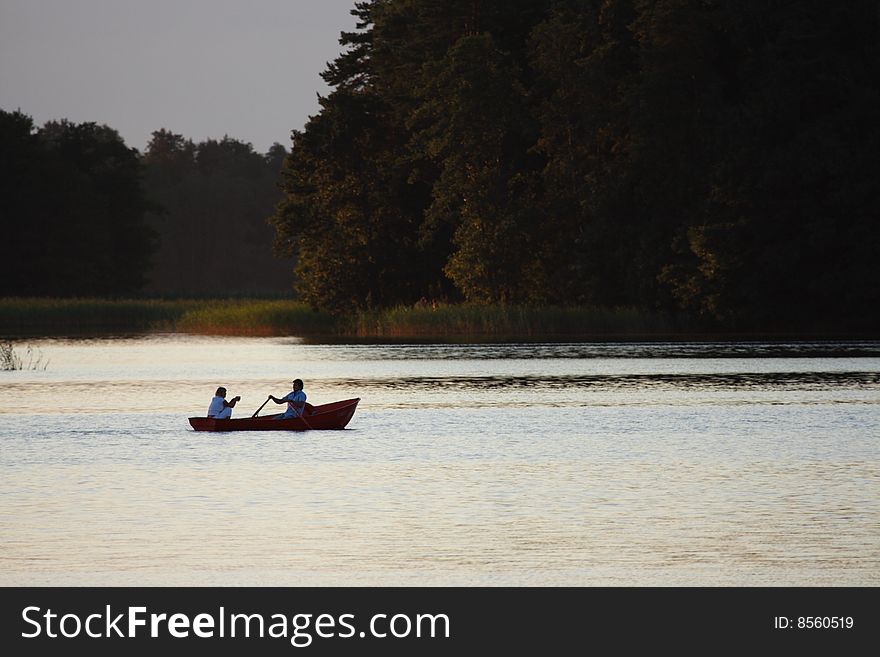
[[710, 156], [85, 215], [212, 200], [73, 210]]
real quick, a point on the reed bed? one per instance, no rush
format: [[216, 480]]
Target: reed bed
[[474, 321], [11, 360], [255, 317], [43, 316], [59, 317], [21, 316]]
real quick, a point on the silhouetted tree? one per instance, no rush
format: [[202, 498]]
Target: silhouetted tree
[[710, 156], [213, 198], [73, 210]]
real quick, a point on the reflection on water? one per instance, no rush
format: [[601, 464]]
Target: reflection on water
[[611, 464], [790, 380], [864, 348]]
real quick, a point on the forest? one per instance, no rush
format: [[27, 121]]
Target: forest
[[705, 158], [712, 157], [84, 215], [213, 200]]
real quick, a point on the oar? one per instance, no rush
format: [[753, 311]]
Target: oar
[[261, 407], [302, 415]]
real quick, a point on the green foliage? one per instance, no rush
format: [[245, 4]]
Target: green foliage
[[254, 317], [346, 216], [706, 155], [475, 126], [70, 317], [47, 316], [584, 59], [77, 316], [501, 321]]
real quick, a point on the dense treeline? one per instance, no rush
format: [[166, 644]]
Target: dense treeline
[[72, 210], [707, 155], [214, 198], [85, 215]]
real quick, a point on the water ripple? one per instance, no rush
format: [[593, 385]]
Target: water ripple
[[725, 381]]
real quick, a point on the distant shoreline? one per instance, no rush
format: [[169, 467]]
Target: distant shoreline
[[47, 317]]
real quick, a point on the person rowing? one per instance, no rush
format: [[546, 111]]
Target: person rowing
[[295, 400]]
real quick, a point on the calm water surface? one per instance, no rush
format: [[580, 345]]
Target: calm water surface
[[517, 464]]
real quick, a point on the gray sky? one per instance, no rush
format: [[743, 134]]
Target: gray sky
[[201, 68]]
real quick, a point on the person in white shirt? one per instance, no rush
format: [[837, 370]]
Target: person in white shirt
[[220, 409], [296, 401]]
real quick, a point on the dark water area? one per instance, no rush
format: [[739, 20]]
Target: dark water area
[[454, 349]]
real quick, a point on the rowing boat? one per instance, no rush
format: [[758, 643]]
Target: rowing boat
[[326, 416]]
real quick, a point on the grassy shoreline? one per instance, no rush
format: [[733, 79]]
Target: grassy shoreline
[[43, 317], [59, 317]]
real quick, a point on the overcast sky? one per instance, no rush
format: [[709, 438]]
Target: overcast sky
[[201, 68]]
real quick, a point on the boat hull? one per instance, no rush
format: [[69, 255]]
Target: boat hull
[[327, 416]]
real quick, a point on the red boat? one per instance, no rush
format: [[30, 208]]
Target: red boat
[[326, 416]]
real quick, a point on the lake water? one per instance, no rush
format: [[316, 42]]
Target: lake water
[[515, 464]]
